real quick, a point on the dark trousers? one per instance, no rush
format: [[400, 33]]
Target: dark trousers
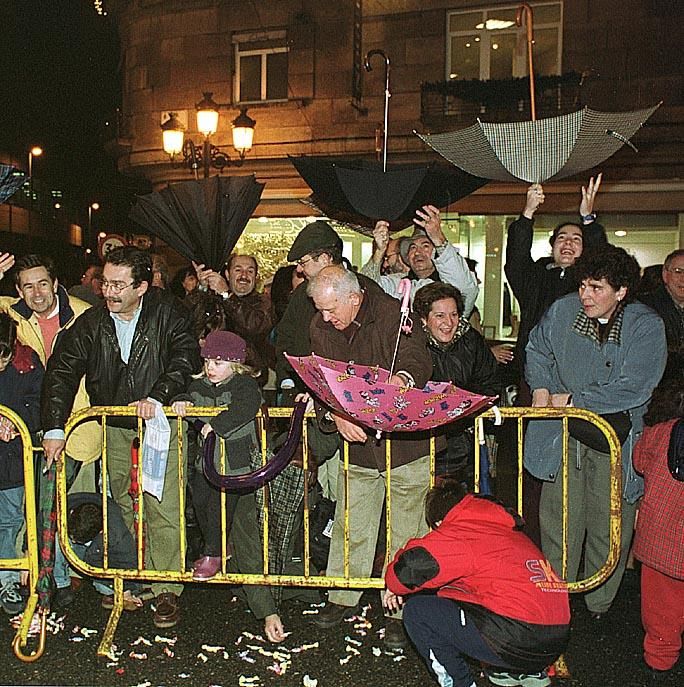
[[444, 635], [207, 501]]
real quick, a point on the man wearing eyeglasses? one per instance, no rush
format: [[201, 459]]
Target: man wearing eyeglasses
[[668, 301], [137, 350]]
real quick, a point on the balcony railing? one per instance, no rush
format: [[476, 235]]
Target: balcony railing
[[450, 104]]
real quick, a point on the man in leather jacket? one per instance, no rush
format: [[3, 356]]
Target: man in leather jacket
[[135, 350]]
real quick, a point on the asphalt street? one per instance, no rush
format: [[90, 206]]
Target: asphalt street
[[217, 642]]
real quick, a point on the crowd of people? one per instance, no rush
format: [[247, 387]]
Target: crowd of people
[[590, 337]]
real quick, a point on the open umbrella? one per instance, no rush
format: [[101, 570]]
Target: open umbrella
[[363, 393], [358, 193], [538, 150], [201, 219], [11, 180]]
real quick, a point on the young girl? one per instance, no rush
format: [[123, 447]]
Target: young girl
[[227, 382], [659, 540], [21, 375]]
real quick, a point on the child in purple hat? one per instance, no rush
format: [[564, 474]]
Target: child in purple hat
[[226, 382]]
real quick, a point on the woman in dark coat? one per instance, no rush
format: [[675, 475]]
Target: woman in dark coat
[[460, 356]]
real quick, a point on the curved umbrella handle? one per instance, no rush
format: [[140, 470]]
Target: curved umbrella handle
[[257, 478], [368, 67], [526, 10]]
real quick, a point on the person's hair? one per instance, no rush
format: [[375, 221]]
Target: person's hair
[[558, 227], [436, 291], [666, 403], [674, 254], [441, 499], [8, 336], [341, 281], [651, 279], [237, 367], [178, 279], [611, 263], [232, 257], [138, 260], [28, 262], [281, 288], [84, 522]]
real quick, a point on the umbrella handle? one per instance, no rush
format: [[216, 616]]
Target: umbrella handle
[[526, 10], [368, 67]]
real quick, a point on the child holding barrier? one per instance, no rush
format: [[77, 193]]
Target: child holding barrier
[[21, 375], [227, 382]]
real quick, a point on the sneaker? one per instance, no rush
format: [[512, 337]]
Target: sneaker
[[206, 567], [11, 599], [540, 679], [333, 614]]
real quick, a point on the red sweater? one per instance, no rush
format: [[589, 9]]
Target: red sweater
[[477, 556], [659, 540]]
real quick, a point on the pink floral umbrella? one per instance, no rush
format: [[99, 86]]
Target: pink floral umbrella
[[363, 393]]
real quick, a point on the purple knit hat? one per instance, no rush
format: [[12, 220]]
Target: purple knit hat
[[220, 345]]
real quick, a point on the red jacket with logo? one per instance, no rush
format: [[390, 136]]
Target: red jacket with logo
[[476, 555]]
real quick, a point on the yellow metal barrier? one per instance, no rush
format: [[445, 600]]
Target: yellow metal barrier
[[30, 560], [308, 580]]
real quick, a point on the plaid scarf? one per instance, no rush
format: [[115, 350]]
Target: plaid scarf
[[586, 326]]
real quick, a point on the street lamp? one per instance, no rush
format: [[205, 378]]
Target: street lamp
[[93, 207], [173, 134], [36, 151]]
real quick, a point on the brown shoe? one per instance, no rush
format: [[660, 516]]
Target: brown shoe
[[395, 637], [129, 603], [166, 612], [333, 614]]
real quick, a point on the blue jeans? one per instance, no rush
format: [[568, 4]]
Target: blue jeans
[[11, 521], [62, 569]]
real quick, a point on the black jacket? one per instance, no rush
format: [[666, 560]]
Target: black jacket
[[20, 391], [163, 355], [469, 364], [661, 301], [538, 284]]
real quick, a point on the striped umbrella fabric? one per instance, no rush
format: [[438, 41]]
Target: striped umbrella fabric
[[541, 150]]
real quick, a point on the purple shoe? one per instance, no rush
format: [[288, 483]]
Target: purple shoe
[[206, 567]]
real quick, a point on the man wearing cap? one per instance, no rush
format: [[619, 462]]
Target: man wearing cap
[[137, 350], [429, 256], [317, 245]]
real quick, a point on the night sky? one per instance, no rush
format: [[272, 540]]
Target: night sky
[[60, 80]]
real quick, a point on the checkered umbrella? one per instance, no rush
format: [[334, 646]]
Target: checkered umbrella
[[539, 150], [11, 180]]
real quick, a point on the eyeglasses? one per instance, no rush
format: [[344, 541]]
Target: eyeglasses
[[115, 286], [302, 262], [391, 255], [677, 270]]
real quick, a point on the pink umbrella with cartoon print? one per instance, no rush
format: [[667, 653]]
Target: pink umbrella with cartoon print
[[363, 393]]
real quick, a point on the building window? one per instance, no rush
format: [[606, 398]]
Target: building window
[[260, 66], [486, 44]]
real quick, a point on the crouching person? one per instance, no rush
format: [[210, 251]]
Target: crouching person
[[496, 598]]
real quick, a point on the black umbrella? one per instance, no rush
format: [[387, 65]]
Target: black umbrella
[[359, 193], [201, 219], [11, 180]]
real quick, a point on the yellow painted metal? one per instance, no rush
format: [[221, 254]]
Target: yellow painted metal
[[29, 561], [320, 581]]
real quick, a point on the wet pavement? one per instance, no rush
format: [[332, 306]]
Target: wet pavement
[[212, 646]]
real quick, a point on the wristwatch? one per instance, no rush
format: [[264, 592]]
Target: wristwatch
[[588, 219]]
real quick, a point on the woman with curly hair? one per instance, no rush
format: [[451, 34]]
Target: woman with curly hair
[[598, 350]]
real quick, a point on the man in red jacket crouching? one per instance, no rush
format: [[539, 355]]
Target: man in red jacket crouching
[[497, 600]]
